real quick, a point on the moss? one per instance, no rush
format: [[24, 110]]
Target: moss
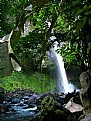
[[49, 112]]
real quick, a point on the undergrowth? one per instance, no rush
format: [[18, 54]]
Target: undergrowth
[[37, 82]]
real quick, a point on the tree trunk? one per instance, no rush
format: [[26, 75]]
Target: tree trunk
[[45, 42]]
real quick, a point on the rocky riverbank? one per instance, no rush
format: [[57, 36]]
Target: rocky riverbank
[[25, 105]]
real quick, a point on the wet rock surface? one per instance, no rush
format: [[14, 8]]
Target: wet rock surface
[[17, 105], [25, 105]]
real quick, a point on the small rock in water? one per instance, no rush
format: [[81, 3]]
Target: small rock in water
[[15, 100], [32, 99], [22, 102], [26, 97], [31, 105]]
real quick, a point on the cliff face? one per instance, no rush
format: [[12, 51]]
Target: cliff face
[[5, 62], [85, 93]]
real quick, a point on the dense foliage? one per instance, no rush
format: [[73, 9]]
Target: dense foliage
[[70, 19], [28, 51], [77, 49], [9, 10]]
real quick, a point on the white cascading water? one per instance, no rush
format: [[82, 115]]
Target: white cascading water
[[63, 84]]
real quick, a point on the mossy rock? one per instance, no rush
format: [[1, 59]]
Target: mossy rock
[[47, 103], [54, 116], [49, 111]]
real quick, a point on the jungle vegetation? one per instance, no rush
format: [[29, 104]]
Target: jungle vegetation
[[70, 20]]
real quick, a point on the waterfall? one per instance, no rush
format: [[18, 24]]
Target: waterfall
[[63, 84]]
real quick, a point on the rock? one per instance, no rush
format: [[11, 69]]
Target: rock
[[87, 118], [15, 100], [22, 102], [31, 119], [1, 98], [73, 107], [4, 107], [85, 93], [26, 97], [31, 105], [1, 107], [59, 97], [25, 100], [32, 99], [8, 99], [1, 90], [36, 116], [89, 93], [2, 95], [51, 110], [45, 107], [54, 116], [69, 96], [76, 99]]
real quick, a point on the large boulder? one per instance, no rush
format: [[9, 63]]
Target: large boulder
[[51, 110], [85, 93], [87, 118]]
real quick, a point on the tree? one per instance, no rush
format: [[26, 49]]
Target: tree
[[77, 37], [69, 19]]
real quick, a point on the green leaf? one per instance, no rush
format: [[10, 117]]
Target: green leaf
[[78, 12], [89, 21], [87, 13], [89, 6], [73, 53], [86, 8], [75, 2], [80, 25]]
